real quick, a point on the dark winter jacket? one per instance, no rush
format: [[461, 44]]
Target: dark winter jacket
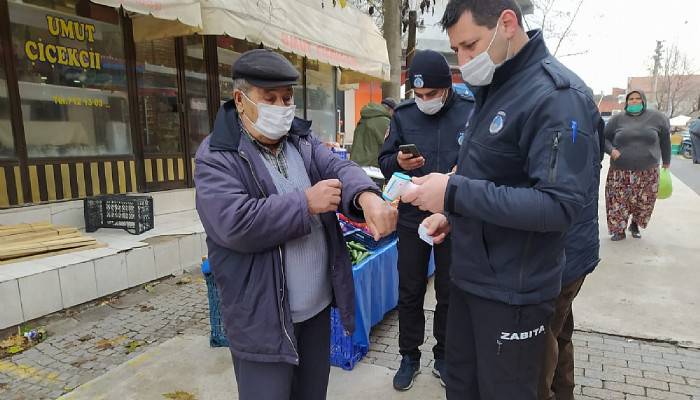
[[524, 174], [247, 225], [437, 137], [369, 134]]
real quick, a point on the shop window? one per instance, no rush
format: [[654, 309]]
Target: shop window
[[7, 143], [229, 49], [156, 73], [298, 62], [321, 110], [72, 81], [196, 76]]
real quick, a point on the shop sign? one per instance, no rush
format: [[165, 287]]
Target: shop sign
[[64, 55]]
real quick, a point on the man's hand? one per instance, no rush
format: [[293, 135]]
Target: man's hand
[[666, 166], [615, 154], [408, 163], [379, 215], [437, 227], [323, 196], [429, 193]]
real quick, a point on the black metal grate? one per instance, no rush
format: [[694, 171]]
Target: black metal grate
[[134, 214]]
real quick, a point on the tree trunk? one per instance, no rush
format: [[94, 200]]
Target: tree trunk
[[392, 35], [411, 48]]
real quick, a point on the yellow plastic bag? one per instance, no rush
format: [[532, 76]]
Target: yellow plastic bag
[[665, 184]]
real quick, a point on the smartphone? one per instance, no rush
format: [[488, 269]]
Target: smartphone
[[410, 149]]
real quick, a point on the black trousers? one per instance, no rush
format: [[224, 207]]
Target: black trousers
[[495, 351], [414, 257], [282, 381]]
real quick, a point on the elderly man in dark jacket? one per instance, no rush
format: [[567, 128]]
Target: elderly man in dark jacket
[[267, 192]]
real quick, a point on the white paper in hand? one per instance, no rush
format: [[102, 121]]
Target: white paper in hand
[[423, 234]]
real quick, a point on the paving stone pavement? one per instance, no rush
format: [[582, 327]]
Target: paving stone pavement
[[78, 355], [607, 367]]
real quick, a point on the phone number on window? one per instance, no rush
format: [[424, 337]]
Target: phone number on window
[[78, 101]]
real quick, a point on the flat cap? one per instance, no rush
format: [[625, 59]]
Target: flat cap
[[265, 68]]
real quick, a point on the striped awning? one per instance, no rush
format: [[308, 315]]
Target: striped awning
[[343, 37], [155, 19]]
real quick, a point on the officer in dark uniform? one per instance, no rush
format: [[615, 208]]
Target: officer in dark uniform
[[524, 171], [434, 122]]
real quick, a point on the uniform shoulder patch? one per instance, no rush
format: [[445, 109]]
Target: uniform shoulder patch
[[561, 81]]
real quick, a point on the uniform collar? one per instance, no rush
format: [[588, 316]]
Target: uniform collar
[[534, 51]]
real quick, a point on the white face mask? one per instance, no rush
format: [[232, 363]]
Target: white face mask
[[479, 70], [432, 106], [273, 121]]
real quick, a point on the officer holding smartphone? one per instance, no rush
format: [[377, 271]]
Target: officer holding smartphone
[[424, 137]]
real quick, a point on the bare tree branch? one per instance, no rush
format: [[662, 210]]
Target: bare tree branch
[[578, 53], [568, 27], [675, 94], [556, 20]]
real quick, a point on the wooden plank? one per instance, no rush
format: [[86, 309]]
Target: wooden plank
[[53, 253], [43, 223], [19, 252], [24, 228], [37, 236], [44, 243]]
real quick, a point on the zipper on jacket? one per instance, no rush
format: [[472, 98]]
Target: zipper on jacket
[[284, 326], [284, 278], [554, 159]]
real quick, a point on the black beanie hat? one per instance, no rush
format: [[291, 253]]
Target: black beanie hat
[[429, 69]]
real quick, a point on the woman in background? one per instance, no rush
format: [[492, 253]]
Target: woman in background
[[637, 141]]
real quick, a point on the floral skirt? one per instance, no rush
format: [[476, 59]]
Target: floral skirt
[[630, 193]]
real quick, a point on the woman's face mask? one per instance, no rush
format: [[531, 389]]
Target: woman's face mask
[[635, 104]]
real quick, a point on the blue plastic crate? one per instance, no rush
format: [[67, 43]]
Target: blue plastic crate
[[217, 337], [344, 353], [368, 241]]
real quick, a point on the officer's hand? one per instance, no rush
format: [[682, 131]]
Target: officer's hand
[[437, 227], [429, 192], [408, 163], [380, 216], [323, 196], [615, 154]]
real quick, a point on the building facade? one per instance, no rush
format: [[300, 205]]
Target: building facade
[[88, 107]]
